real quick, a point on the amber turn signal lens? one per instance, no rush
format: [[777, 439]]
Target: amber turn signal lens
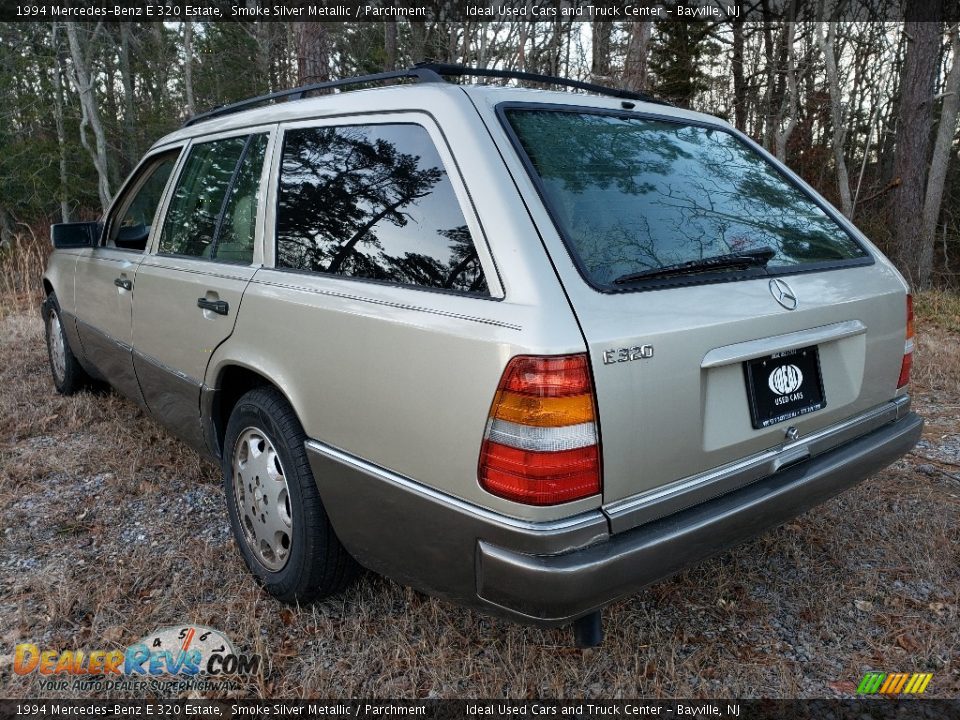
[[541, 445]]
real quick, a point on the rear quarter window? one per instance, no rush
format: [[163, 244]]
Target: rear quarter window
[[373, 202], [630, 194]]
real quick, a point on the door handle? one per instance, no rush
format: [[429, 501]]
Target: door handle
[[123, 283], [220, 307]]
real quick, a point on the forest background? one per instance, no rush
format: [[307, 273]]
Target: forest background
[[867, 111]]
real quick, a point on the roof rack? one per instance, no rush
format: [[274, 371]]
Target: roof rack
[[421, 72], [446, 70], [417, 73]]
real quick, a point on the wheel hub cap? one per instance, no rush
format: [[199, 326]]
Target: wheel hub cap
[[263, 499], [58, 355]]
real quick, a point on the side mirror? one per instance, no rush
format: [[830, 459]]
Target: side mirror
[[75, 235]]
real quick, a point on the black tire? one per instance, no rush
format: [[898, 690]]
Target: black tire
[[68, 377], [315, 564]]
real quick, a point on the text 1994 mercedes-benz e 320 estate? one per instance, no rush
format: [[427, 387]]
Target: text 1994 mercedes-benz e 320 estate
[[526, 350]]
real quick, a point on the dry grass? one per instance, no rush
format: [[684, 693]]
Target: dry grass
[[113, 529], [938, 309], [938, 342], [21, 267]]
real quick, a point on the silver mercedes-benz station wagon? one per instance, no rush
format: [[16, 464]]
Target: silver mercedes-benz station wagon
[[527, 350]]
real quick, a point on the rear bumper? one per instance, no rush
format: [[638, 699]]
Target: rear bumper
[[569, 585], [551, 573]]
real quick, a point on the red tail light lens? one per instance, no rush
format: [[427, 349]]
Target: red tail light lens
[[907, 364], [539, 478], [541, 445]]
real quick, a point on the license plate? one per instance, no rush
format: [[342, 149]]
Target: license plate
[[784, 385]]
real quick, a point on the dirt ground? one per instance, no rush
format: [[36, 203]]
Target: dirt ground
[[111, 529]]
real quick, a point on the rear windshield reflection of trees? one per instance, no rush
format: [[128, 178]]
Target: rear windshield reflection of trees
[[633, 194], [373, 201]]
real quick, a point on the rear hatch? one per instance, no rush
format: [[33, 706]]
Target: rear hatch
[[725, 306]]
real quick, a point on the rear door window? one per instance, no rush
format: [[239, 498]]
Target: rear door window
[[631, 194], [373, 202], [213, 210]]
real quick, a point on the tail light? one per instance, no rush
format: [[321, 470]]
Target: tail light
[[907, 363], [541, 445]]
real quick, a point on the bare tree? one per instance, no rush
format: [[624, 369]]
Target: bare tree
[[313, 52], [126, 78], [940, 160], [739, 82], [58, 120], [770, 101], [91, 114], [638, 50], [600, 61], [390, 44], [826, 44], [913, 141], [522, 47], [788, 116], [188, 66]]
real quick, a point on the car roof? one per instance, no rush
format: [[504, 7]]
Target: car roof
[[419, 97]]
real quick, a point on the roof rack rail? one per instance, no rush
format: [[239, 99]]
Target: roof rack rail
[[420, 74], [446, 70]]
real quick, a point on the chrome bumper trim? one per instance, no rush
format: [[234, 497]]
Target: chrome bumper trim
[[662, 501]]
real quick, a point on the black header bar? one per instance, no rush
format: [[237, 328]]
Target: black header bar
[[477, 10]]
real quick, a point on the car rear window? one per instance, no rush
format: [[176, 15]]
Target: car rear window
[[631, 194]]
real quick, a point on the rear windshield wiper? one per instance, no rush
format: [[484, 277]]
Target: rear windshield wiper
[[758, 257]]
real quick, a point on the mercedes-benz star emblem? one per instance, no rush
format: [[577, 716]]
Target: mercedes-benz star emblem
[[783, 294]]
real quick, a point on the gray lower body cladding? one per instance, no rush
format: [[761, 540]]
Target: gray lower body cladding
[[552, 573]]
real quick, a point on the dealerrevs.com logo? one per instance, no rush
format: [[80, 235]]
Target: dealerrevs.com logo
[[187, 657]]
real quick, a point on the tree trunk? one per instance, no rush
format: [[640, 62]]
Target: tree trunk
[[110, 111], [91, 115], [313, 53], [913, 141], [452, 43], [887, 128], [58, 119], [769, 102], [638, 50], [600, 61], [7, 234], [739, 82], [389, 45], [783, 136], [836, 114], [188, 67], [482, 50], [126, 76], [522, 48], [939, 162]]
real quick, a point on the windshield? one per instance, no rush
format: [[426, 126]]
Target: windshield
[[633, 194]]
